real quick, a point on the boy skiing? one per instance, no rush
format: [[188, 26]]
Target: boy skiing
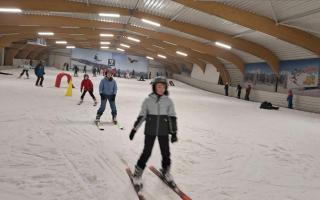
[[108, 91], [26, 68], [87, 86], [159, 113], [39, 71]]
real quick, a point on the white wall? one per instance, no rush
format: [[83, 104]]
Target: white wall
[[311, 104], [58, 57], [18, 62], [211, 75]]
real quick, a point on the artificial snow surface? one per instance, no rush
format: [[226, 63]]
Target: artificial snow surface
[[228, 149]]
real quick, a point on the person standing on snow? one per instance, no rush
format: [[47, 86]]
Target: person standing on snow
[[159, 113], [108, 91], [290, 99], [26, 68], [87, 86], [239, 91], [226, 89], [39, 71]]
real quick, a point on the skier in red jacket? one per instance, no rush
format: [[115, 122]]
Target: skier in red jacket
[[87, 86]]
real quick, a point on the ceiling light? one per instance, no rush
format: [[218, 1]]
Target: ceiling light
[[76, 34], [109, 15], [106, 35], [181, 53], [150, 58], [45, 33], [28, 25], [223, 45], [169, 43], [11, 10], [104, 42], [150, 22], [70, 27], [119, 49], [104, 47], [61, 42], [3, 34], [70, 47], [124, 45], [162, 56], [157, 46], [133, 39]]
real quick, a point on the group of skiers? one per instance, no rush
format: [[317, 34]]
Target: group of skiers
[[248, 90], [239, 88], [157, 110]]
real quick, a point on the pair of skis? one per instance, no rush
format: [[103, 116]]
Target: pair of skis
[[174, 187], [101, 128]]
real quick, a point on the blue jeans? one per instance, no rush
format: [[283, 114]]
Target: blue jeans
[[103, 106]]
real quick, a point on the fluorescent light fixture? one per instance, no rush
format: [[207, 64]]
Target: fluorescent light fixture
[[169, 43], [119, 49], [109, 15], [150, 58], [106, 35], [162, 56], [104, 43], [70, 27], [70, 47], [150, 22], [181, 53], [104, 47], [223, 45], [76, 34], [45, 33], [3, 34], [133, 39], [124, 45], [157, 46], [28, 25], [11, 10], [61, 42]]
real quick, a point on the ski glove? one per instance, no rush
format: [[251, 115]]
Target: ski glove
[[133, 131], [174, 138], [113, 97]]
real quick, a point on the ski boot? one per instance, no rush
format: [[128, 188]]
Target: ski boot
[[137, 178], [95, 102], [80, 102], [114, 120], [167, 176]]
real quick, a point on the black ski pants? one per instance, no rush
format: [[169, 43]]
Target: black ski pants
[[23, 73], [90, 92], [147, 150], [40, 78]]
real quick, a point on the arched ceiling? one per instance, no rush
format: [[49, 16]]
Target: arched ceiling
[[190, 26]]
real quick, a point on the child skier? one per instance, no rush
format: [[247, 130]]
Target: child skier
[[108, 91], [26, 68], [290, 99], [87, 86], [159, 113], [39, 71]]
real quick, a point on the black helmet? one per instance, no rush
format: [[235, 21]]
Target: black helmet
[[159, 79]]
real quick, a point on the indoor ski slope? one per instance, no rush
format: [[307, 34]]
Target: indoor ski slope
[[228, 149]]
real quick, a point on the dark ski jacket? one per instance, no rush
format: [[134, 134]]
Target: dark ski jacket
[[39, 70], [159, 114]]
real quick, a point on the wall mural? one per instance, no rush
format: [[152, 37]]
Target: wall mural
[[301, 76], [121, 63]]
